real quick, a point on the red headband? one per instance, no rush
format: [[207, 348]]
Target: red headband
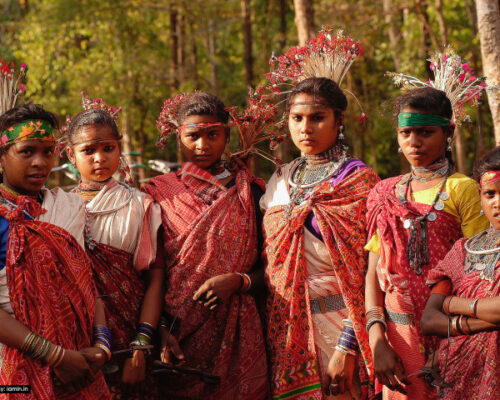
[[489, 177], [202, 125]]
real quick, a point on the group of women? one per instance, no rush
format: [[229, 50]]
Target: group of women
[[326, 283]]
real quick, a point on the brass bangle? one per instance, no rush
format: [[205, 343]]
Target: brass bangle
[[61, 357], [446, 305], [473, 308], [103, 347]]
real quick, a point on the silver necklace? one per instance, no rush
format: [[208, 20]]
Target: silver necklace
[[223, 175], [483, 253]]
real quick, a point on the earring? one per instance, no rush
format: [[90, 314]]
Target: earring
[[481, 212], [400, 150], [341, 133], [449, 148]]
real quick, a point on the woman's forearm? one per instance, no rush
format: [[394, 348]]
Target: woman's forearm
[[12, 332], [374, 297], [153, 298], [487, 309]]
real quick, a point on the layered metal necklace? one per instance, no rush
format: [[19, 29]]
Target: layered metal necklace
[[417, 250], [312, 170], [483, 253]]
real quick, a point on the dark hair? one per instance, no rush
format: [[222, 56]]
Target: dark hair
[[92, 117], [201, 103], [25, 112], [427, 100], [323, 88], [490, 162], [22, 113]]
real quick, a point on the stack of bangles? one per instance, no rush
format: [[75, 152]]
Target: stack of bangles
[[144, 334], [246, 282], [103, 339], [39, 348], [456, 322], [375, 315], [348, 344]]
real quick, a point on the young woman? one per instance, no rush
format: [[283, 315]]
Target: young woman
[[47, 297], [121, 229], [314, 226], [413, 221], [211, 228], [470, 272]]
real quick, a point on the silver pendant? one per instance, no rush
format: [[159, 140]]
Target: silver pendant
[[479, 266], [432, 216], [444, 196], [407, 224], [439, 205]]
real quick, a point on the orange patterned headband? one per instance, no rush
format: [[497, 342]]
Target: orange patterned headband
[[489, 177]]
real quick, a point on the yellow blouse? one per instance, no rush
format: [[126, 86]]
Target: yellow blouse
[[464, 204]]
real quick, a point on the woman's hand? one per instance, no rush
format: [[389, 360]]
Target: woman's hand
[[171, 352], [95, 358], [134, 370], [388, 366], [74, 371], [217, 289], [338, 379]]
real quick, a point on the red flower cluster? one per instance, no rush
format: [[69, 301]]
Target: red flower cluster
[[327, 55], [10, 85], [166, 122], [260, 121], [99, 104]]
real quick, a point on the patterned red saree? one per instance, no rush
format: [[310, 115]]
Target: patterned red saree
[[405, 291], [340, 213], [121, 289], [211, 230], [52, 294], [473, 368]]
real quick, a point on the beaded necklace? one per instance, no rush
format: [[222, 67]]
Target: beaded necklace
[[90, 189], [38, 197], [219, 170], [312, 170], [437, 169], [483, 253]]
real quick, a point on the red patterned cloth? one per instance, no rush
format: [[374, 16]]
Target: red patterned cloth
[[118, 282], [405, 291], [210, 230], [473, 368], [43, 262], [340, 213]]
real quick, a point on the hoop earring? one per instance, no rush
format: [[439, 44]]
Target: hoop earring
[[449, 148]]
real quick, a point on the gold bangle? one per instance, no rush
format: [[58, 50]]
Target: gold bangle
[[103, 347], [61, 357], [473, 308]]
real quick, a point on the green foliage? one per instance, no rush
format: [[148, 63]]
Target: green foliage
[[121, 50]]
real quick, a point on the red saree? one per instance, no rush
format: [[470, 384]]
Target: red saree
[[473, 368], [405, 291], [43, 262], [210, 230], [340, 213], [121, 289]]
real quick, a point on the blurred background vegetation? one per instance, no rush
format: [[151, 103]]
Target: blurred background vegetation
[[135, 54]]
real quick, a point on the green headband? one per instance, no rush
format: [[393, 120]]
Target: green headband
[[29, 129], [406, 119]]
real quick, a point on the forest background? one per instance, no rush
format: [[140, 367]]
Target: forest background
[[135, 54]]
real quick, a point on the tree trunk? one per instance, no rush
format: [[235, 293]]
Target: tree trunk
[[460, 151], [181, 49], [393, 31], [488, 21], [211, 56], [247, 40], [282, 24], [174, 61], [421, 6], [441, 22], [304, 19], [194, 53]]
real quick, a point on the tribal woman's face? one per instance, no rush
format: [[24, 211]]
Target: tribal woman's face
[[312, 124], [422, 145], [27, 164], [490, 201], [202, 146]]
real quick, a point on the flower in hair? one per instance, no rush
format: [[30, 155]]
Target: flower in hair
[[99, 104], [453, 76], [260, 121], [10, 84], [166, 122]]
